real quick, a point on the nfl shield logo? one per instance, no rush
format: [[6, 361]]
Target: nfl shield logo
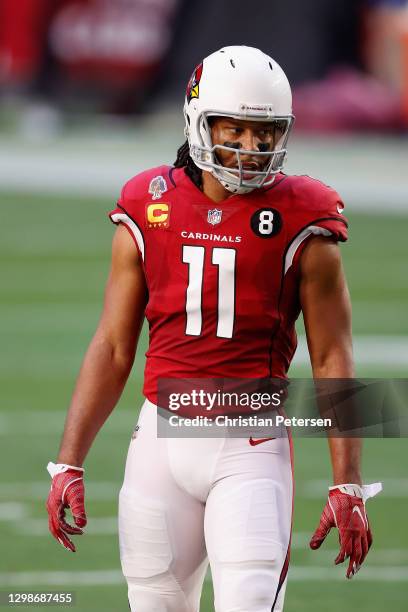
[[214, 216]]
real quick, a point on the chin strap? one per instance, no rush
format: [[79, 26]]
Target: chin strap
[[364, 492]]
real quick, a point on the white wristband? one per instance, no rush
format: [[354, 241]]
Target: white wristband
[[58, 468], [362, 491], [372, 490]]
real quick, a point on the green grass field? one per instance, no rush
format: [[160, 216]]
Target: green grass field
[[55, 257]]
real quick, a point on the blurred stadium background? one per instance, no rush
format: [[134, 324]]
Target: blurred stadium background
[[90, 94]]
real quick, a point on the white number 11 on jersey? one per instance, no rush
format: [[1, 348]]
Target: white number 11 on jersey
[[225, 260]]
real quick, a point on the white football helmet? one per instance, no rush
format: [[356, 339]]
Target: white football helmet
[[242, 83]]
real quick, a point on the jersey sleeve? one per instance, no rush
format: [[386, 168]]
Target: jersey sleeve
[[319, 213], [323, 208], [135, 195], [124, 213], [334, 224]]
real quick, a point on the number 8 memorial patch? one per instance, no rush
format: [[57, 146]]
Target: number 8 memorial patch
[[266, 222]]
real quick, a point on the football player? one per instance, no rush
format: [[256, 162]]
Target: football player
[[220, 253]]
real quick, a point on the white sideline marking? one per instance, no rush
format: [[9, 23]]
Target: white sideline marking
[[82, 164], [97, 491], [386, 351], [45, 422], [299, 573], [395, 488], [82, 578], [12, 511], [377, 557], [113, 577], [16, 515], [107, 525]]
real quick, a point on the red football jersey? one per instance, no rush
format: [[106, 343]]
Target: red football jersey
[[223, 278]]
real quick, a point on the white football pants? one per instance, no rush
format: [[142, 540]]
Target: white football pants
[[187, 502]]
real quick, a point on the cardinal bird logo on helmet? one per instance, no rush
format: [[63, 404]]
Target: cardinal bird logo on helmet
[[193, 87]]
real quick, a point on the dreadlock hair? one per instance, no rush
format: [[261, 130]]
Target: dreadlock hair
[[184, 160]]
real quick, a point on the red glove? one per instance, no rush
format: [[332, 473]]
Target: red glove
[[345, 509], [67, 491]]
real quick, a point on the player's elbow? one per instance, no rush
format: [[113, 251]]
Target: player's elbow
[[123, 357], [333, 362], [119, 354]]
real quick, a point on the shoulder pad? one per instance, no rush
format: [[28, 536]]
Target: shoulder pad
[[150, 184], [313, 195]]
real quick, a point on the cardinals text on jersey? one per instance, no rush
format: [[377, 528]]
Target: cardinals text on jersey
[[223, 296]]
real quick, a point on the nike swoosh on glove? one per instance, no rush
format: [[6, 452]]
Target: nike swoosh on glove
[[67, 491], [345, 509]]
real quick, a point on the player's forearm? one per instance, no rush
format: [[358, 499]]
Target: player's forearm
[[99, 386], [346, 460], [345, 452]]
